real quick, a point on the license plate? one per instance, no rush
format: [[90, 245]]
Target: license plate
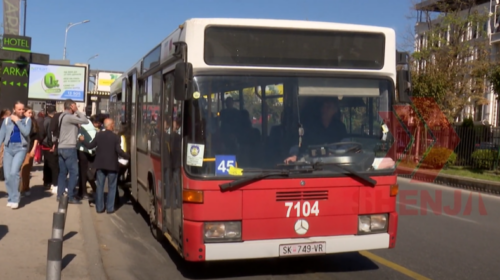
[[303, 249]]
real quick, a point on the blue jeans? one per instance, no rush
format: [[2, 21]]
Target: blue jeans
[[13, 158], [99, 195], [68, 162]]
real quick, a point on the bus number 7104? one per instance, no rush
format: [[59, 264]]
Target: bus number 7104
[[306, 208]]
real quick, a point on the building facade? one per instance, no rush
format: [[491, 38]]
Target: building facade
[[428, 12]]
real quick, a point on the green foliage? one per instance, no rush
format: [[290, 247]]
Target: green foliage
[[468, 122], [495, 78], [439, 157], [452, 159], [443, 67], [484, 159]]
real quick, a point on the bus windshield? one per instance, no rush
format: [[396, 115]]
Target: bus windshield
[[263, 123]]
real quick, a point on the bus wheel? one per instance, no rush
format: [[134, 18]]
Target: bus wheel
[[153, 222]]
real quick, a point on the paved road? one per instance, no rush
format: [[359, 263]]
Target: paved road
[[442, 246]]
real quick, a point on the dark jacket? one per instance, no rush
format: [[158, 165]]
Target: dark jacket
[[34, 135], [46, 131], [41, 128], [107, 152], [54, 122]]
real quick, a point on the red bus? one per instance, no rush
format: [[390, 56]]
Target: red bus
[[316, 176]]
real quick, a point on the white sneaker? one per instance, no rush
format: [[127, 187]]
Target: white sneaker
[[14, 205], [9, 204], [54, 189]]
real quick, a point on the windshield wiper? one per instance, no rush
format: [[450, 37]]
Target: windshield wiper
[[317, 165], [238, 183], [363, 177]]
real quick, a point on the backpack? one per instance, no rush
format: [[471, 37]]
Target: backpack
[[54, 140], [46, 132]]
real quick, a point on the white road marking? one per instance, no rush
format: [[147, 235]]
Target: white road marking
[[442, 214]]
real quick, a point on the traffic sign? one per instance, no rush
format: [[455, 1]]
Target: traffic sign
[[223, 163]]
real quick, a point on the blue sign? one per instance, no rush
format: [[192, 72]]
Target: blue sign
[[73, 94], [223, 163]]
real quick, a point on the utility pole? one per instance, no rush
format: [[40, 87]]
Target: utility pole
[[25, 12]]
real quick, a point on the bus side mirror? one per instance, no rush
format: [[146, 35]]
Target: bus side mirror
[[183, 81], [403, 80]]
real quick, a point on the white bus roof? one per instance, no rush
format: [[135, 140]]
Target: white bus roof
[[192, 32], [299, 24]]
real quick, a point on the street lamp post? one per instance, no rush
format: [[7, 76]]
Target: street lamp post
[[24, 16], [95, 77], [66, 35], [92, 57]]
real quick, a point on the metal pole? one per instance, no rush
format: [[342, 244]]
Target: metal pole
[[65, 40], [58, 222], [66, 34], [63, 204], [63, 207], [54, 259], [25, 11]]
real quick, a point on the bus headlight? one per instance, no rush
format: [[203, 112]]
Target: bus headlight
[[222, 231], [372, 223]]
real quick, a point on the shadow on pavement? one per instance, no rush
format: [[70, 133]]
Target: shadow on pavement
[[37, 193], [36, 168], [3, 194], [337, 263], [67, 260], [68, 235], [4, 229], [346, 262]]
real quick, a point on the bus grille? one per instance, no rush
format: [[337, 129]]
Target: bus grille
[[305, 195]]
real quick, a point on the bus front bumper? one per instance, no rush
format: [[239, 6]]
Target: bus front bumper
[[271, 248]]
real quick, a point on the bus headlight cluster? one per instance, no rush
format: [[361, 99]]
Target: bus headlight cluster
[[222, 231], [372, 223]]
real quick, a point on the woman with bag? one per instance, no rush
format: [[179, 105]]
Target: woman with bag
[[15, 135], [24, 185]]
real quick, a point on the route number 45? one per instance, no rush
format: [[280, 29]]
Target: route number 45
[[306, 208], [225, 165]]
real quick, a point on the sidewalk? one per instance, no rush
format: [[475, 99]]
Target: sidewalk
[[459, 182], [24, 233]]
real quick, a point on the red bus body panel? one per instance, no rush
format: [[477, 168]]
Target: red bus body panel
[[261, 207]]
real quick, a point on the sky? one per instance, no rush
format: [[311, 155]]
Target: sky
[[123, 31]]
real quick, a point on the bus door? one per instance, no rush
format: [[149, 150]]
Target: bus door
[[133, 125], [171, 149], [176, 169]]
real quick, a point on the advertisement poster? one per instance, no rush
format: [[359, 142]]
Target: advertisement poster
[[104, 80], [55, 82]]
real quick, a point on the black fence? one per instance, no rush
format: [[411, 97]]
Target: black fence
[[476, 147]]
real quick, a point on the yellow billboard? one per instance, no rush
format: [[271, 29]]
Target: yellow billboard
[[104, 80]]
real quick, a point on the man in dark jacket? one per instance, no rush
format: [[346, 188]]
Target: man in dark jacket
[[106, 163], [50, 162]]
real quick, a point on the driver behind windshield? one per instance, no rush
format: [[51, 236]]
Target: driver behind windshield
[[322, 125]]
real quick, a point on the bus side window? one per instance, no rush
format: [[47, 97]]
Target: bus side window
[[154, 99], [142, 124]]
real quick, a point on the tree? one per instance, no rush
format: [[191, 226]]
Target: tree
[[495, 78], [452, 60]]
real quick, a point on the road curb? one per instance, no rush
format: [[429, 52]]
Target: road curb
[[458, 182], [94, 259]]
